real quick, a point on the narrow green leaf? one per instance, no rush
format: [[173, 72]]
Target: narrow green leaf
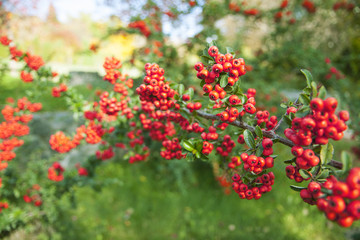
[[297, 188], [249, 139], [283, 105], [258, 132], [314, 89], [190, 92], [346, 161], [223, 81], [187, 145], [305, 174], [322, 92], [181, 89], [218, 110], [287, 120], [308, 76], [324, 174], [326, 153], [304, 99]]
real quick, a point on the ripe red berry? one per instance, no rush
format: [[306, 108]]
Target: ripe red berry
[[213, 51]]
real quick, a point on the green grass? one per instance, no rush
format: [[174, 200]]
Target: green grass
[[144, 205]]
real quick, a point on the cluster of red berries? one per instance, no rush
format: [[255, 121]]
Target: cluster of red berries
[[263, 116], [140, 157], [26, 76], [105, 154], [3, 205], [292, 172], [172, 149], [305, 159], [309, 6], [344, 5], [249, 106], [235, 162], [81, 171], [112, 66], [56, 91], [141, 25], [226, 146], [223, 181], [319, 126], [333, 71], [195, 127], [193, 106], [255, 164], [55, 172], [341, 205], [110, 106], [253, 190], [154, 89], [234, 68], [280, 14], [35, 196], [15, 125]]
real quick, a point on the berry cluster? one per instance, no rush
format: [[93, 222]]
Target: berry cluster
[[141, 25], [319, 126], [292, 172], [33, 195], [105, 154], [55, 172], [154, 89], [344, 5], [339, 201], [56, 91], [140, 157], [305, 159], [172, 149], [253, 190], [263, 116], [255, 164], [226, 146], [81, 170], [3, 205], [309, 6]]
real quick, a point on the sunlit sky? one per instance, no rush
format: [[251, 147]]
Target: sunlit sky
[[67, 9]]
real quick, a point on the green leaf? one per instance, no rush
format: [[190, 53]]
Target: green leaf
[[308, 76], [324, 174], [258, 132], [326, 153], [346, 161], [236, 88], [190, 92], [218, 110], [223, 81], [297, 188], [243, 98], [307, 90], [283, 105], [305, 174], [181, 89], [202, 83], [322, 92], [287, 120], [187, 145], [314, 89], [304, 99], [249, 139]]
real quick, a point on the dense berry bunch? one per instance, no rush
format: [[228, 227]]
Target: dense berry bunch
[[105, 154], [255, 164], [172, 149], [309, 6], [56, 91], [140, 157], [226, 146], [55, 172], [141, 25], [292, 172], [255, 189], [155, 89], [337, 199], [112, 66], [33, 196], [320, 125]]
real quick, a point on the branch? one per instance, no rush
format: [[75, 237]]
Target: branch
[[269, 134]]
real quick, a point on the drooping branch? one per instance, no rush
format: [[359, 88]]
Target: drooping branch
[[269, 134]]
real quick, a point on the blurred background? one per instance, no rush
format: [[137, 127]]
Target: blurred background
[[160, 199]]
